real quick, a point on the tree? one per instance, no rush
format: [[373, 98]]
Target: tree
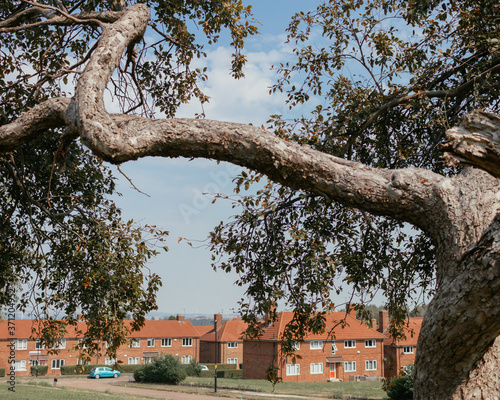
[[338, 173]]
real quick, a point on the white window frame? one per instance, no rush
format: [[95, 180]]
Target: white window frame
[[39, 345], [232, 345], [109, 361], [166, 342], [316, 368], [134, 360], [57, 363], [187, 342], [19, 365], [349, 366], [370, 365], [135, 343], [148, 360], [349, 344], [334, 348], [316, 344], [292, 369], [21, 344], [408, 349], [186, 359], [296, 345], [60, 344], [150, 342], [232, 361], [370, 343]]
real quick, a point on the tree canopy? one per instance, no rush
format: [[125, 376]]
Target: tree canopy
[[344, 181]]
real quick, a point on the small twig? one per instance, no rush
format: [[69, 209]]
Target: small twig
[[130, 181]]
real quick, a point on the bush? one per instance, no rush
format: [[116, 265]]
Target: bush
[[2, 372], [128, 368], [163, 369], [192, 369], [42, 370], [401, 387]]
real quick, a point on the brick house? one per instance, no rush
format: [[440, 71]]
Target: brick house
[[399, 353], [176, 337], [229, 342], [356, 349]]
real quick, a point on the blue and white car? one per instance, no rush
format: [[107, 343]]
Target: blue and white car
[[103, 372]]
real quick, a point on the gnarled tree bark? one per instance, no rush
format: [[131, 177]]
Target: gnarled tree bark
[[458, 349]]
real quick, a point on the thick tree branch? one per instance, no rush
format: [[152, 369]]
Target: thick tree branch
[[475, 141]]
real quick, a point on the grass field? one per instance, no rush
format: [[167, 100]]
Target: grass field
[[338, 390], [40, 390]]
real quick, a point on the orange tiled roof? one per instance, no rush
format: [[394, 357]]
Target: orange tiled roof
[[412, 331], [230, 331], [203, 329], [162, 328], [354, 329]]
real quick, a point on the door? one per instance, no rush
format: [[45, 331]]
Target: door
[[333, 371]]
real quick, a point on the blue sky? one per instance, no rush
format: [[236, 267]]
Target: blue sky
[[176, 186]]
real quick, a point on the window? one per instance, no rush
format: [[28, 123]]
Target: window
[[408, 349], [350, 366], [316, 344], [187, 341], [371, 365], [109, 361], [292, 369], [232, 361], [370, 343], [60, 344], [148, 360], [166, 342], [19, 365], [57, 364], [21, 344], [296, 345], [349, 344], [135, 343], [186, 359], [38, 362], [232, 345], [334, 347], [316, 368], [39, 345], [134, 360], [151, 342], [81, 362]]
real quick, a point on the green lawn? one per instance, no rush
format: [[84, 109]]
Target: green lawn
[[25, 391], [338, 390]]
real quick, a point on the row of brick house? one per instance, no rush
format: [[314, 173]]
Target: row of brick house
[[355, 350]]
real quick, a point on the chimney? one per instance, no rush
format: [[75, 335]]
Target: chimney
[[268, 319], [349, 309], [180, 318], [374, 323], [383, 321], [218, 318]]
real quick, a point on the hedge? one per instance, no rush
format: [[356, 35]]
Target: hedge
[[79, 369], [2, 372], [42, 370], [228, 373]]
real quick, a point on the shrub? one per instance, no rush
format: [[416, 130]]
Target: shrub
[[2, 372], [192, 369], [401, 387], [79, 369], [42, 370], [163, 369], [128, 368]]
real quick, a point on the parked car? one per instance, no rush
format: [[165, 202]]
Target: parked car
[[103, 372], [204, 367]]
